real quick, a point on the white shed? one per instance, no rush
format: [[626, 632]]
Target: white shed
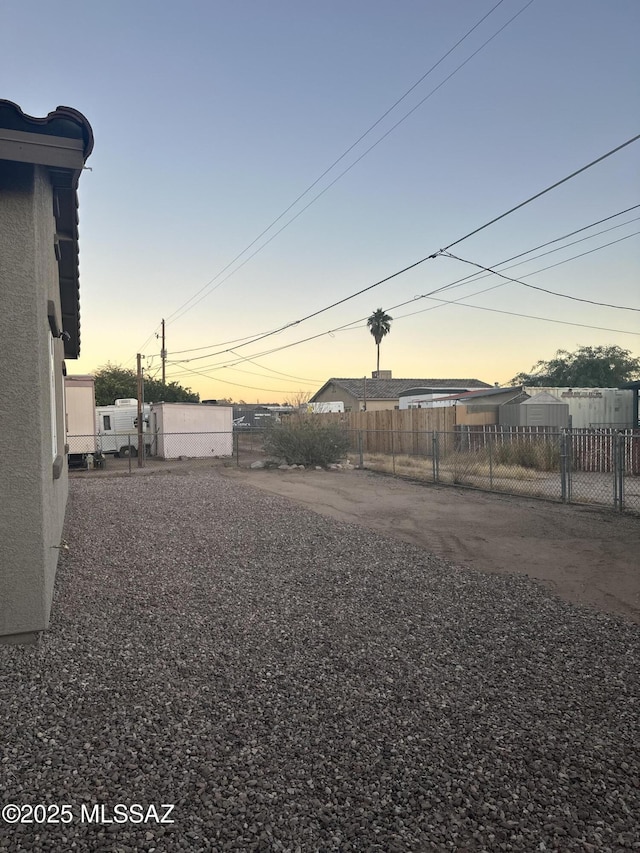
[[192, 429]]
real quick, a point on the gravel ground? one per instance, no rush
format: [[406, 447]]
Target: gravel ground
[[292, 683]]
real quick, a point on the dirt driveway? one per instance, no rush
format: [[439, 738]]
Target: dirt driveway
[[582, 555]]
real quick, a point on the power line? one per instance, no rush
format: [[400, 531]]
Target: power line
[[542, 192], [577, 231], [544, 289], [472, 276], [431, 295], [177, 315], [236, 384], [221, 344], [179, 310], [442, 302], [532, 317], [351, 325], [278, 372], [441, 251]]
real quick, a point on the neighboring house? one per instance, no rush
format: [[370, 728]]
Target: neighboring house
[[378, 394], [41, 160], [479, 407], [425, 397], [480, 399]]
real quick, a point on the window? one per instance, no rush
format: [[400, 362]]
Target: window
[[106, 422]]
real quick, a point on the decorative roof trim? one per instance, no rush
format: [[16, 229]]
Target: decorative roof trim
[[23, 147], [61, 141], [62, 122]]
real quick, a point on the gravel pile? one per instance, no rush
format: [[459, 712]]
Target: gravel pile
[[292, 683]]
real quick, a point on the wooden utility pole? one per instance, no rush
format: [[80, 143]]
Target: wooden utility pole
[[140, 411], [163, 355]]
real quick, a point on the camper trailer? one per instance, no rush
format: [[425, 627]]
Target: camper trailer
[[117, 428], [80, 405]]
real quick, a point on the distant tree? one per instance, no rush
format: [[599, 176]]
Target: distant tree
[[297, 399], [379, 325], [114, 382], [587, 367]]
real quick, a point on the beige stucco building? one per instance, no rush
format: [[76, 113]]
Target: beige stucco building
[[382, 392], [41, 160]]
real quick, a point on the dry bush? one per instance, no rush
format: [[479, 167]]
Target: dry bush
[[306, 442]]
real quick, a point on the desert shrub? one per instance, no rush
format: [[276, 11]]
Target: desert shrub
[[307, 443]]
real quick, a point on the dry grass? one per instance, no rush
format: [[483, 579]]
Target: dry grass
[[457, 467]]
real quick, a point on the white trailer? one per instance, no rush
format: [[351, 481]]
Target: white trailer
[[80, 426], [192, 429], [324, 408], [117, 428]]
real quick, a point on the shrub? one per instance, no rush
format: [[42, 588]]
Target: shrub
[[307, 443], [543, 455]]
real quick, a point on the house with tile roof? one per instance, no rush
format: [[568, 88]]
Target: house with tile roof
[[377, 394], [41, 160]]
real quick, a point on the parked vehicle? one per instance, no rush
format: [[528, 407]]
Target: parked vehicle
[[117, 428]]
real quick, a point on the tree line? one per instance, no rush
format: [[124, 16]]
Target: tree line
[[114, 382]]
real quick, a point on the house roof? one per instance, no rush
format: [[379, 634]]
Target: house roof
[[543, 397], [62, 141], [391, 389], [481, 393]]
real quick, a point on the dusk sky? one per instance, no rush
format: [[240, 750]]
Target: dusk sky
[[212, 118]]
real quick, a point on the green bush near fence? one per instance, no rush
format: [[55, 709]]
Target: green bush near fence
[[541, 455], [307, 443]]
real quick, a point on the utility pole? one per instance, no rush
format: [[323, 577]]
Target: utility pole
[[140, 411], [163, 355]]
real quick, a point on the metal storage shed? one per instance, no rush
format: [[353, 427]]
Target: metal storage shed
[[539, 410], [193, 430]]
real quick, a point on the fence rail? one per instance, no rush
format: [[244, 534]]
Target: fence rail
[[163, 445], [574, 466], [599, 467]]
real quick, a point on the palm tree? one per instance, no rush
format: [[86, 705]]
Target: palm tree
[[379, 325]]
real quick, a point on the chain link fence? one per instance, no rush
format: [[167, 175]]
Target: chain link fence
[[85, 451], [599, 467]]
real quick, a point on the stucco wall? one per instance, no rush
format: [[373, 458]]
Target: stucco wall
[[334, 394], [33, 505]]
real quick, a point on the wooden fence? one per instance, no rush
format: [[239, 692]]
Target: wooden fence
[[591, 450], [406, 431]]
